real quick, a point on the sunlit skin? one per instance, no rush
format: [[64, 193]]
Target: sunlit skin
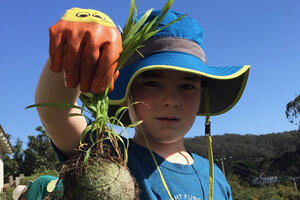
[[169, 104]]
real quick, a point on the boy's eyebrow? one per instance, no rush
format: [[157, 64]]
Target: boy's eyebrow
[[151, 74], [193, 78], [157, 74]]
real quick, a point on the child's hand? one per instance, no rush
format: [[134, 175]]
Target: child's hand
[[85, 44]]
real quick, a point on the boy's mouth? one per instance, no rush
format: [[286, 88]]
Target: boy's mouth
[[167, 118]]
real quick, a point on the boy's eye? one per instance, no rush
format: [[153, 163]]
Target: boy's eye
[[188, 86], [152, 83]]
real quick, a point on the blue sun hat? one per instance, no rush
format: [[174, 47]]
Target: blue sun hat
[[180, 47]]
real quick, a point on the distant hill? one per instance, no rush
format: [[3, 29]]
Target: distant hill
[[253, 155]]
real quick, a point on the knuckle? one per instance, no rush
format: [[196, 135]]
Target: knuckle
[[92, 57], [52, 30]]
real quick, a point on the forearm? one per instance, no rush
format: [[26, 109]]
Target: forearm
[[63, 130], [51, 88]]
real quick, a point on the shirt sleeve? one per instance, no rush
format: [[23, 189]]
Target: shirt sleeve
[[62, 158]]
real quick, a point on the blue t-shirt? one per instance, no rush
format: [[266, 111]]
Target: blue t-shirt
[[185, 182]]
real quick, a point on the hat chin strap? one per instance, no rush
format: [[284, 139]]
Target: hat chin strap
[[209, 144], [130, 100]]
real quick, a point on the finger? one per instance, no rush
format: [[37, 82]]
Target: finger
[[56, 48], [111, 87], [71, 60], [106, 68], [88, 65]]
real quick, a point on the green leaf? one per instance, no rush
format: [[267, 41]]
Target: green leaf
[[84, 132], [122, 109], [165, 9], [115, 121], [75, 114], [172, 22], [87, 102], [150, 25], [129, 19], [59, 105], [87, 154], [138, 25], [88, 94], [135, 124]]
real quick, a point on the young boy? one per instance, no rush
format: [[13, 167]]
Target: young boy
[[173, 84]]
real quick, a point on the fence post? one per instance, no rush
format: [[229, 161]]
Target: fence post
[[11, 180]]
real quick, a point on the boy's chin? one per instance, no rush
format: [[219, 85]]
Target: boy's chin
[[165, 140]]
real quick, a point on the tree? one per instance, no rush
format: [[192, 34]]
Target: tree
[[39, 155], [293, 110], [13, 166]]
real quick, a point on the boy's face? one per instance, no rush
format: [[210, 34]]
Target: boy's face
[[169, 104]]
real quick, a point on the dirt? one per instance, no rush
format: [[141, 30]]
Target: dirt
[[102, 177]]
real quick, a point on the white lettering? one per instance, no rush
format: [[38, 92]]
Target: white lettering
[[186, 197], [177, 197]]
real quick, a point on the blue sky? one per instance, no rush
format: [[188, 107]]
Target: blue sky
[[264, 34]]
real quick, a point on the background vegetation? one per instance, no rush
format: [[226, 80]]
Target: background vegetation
[[257, 167], [38, 156], [264, 167]]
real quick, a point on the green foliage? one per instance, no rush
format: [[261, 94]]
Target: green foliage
[[14, 165], [245, 170], [38, 156], [248, 156], [27, 179], [7, 194], [288, 162], [293, 110], [276, 154], [243, 191]]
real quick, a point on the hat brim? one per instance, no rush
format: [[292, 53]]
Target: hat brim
[[225, 84]]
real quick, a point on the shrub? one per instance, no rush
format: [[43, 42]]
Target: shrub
[[243, 191], [27, 179]]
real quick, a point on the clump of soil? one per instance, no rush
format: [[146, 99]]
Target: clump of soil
[[100, 178]]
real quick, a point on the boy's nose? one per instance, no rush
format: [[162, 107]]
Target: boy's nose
[[170, 98]]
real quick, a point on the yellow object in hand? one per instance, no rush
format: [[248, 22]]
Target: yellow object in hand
[[88, 15]]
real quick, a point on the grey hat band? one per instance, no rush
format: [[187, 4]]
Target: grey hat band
[[160, 44]]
